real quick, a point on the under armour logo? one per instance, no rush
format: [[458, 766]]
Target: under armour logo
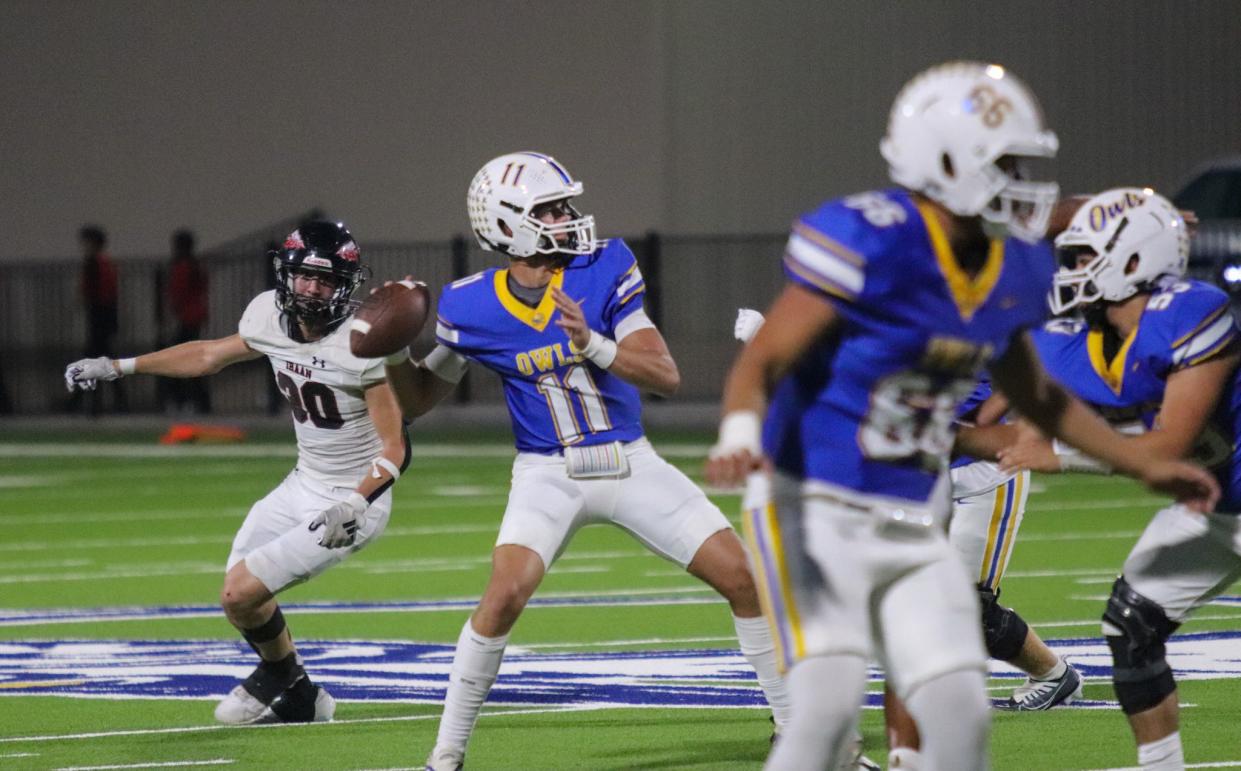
[[315, 361]]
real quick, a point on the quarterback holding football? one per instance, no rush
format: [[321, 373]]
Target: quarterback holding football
[[563, 326]]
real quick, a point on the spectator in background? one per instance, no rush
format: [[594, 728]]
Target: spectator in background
[[98, 290], [187, 298]]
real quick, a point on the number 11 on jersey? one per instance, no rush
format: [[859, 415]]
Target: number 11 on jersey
[[556, 391]]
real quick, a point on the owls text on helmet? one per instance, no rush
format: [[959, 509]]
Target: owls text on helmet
[[958, 134], [1117, 244], [502, 200]]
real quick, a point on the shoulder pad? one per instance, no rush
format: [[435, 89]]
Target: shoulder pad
[[260, 317]]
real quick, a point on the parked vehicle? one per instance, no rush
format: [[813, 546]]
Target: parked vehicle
[[1213, 193]]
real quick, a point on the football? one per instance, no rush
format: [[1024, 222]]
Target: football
[[389, 319]]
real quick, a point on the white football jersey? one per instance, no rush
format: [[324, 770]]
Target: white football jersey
[[324, 383]]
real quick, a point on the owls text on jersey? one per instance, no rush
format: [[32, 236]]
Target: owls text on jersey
[[873, 409], [1184, 323], [555, 397], [324, 383]]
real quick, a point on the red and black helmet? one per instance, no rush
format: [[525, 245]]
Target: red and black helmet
[[322, 247]]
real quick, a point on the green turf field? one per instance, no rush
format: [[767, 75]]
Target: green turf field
[[115, 537]]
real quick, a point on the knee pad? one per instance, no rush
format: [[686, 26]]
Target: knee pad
[[1136, 629], [1003, 631]]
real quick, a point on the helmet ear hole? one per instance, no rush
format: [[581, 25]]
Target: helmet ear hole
[[945, 161], [1132, 265], [504, 228]]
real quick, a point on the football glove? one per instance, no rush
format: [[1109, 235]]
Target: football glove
[[86, 373], [340, 522], [748, 322]]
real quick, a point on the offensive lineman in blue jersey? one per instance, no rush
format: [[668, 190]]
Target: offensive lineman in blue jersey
[[895, 302], [1159, 352], [564, 328], [988, 505]]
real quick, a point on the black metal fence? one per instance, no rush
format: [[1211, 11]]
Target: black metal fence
[[694, 286]]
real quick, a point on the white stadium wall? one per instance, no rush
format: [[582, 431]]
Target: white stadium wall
[[692, 116]]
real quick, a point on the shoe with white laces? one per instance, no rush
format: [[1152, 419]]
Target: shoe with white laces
[[445, 759], [1038, 695]]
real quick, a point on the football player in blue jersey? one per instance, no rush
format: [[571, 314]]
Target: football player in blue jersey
[[1159, 351], [988, 505], [896, 300], [563, 326]]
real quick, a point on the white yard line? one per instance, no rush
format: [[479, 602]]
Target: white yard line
[[169, 764], [272, 726], [1116, 503], [563, 599], [1219, 764], [1096, 621], [1117, 535], [116, 543], [54, 578], [198, 540], [1062, 573], [624, 643], [44, 564]]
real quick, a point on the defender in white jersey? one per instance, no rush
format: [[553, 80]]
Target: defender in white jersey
[[351, 446]]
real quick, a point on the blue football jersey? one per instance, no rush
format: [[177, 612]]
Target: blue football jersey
[[1185, 323], [555, 397], [873, 407]]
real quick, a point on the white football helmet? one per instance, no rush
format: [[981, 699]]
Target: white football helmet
[[1135, 236], [505, 192], [949, 129]]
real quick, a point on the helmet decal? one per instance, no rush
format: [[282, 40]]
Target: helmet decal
[[958, 133], [323, 247], [1119, 243]]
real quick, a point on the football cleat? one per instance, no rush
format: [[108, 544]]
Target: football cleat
[[855, 760], [445, 759], [239, 707], [302, 702], [1037, 695], [248, 700]]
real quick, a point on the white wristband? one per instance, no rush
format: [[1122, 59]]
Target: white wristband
[[447, 364], [1073, 460], [127, 366], [357, 502], [739, 430], [599, 349], [400, 357], [383, 463]]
